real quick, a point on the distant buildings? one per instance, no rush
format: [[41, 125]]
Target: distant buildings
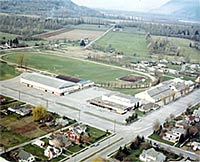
[[167, 91]]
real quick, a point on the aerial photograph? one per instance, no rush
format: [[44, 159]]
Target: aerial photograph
[[99, 80]]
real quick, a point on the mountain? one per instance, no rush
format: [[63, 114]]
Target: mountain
[[46, 8], [188, 9]]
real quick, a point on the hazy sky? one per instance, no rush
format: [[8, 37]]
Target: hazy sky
[[131, 5]]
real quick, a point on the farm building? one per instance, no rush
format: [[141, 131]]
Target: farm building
[[117, 102], [49, 84], [167, 91]]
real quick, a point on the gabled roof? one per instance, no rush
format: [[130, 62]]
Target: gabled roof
[[24, 155], [160, 157], [47, 80]]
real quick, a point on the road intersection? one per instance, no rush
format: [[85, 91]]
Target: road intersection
[[73, 109]]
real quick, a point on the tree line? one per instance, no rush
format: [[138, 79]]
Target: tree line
[[191, 32]]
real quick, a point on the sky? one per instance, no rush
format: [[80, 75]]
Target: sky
[[127, 5]]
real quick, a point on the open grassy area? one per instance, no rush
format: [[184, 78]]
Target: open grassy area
[[193, 53], [129, 41], [7, 36], [67, 66], [96, 134], [7, 72], [74, 148], [10, 138], [36, 151]]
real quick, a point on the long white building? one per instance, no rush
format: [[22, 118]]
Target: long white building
[[48, 84], [176, 86]]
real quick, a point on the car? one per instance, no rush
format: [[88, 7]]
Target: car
[[96, 144]]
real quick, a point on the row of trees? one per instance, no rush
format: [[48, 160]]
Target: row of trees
[[162, 46], [122, 153], [170, 30], [28, 26], [131, 118]]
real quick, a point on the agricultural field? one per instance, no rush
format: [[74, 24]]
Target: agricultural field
[[77, 34], [130, 41], [69, 66], [7, 71], [90, 27], [7, 36], [185, 50]]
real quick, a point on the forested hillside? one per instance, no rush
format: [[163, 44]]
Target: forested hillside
[[46, 8]]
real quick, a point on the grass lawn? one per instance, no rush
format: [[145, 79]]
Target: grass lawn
[[74, 148], [36, 151], [129, 41], [96, 134], [184, 46], [139, 113], [68, 66], [9, 138], [58, 158], [7, 72], [7, 36], [157, 138]]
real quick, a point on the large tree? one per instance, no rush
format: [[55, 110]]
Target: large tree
[[39, 112]]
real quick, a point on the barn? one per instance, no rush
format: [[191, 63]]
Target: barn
[[48, 83]]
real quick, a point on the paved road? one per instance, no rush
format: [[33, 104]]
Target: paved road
[[99, 37], [141, 127]]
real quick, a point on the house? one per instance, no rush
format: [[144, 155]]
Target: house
[[39, 143], [151, 155], [181, 124], [75, 132], [52, 152], [148, 107], [164, 61], [196, 113], [59, 140], [24, 156], [2, 99], [195, 146], [62, 122], [20, 109], [174, 134]]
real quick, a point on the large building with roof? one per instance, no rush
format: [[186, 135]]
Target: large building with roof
[[49, 84], [120, 103], [168, 91]]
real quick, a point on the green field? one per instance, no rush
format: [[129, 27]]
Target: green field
[[7, 36], [129, 41], [7, 72], [193, 53], [68, 66]]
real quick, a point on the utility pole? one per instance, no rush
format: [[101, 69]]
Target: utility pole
[[47, 103], [79, 115], [19, 95], [114, 122]]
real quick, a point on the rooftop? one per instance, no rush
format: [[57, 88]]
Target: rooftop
[[47, 80]]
